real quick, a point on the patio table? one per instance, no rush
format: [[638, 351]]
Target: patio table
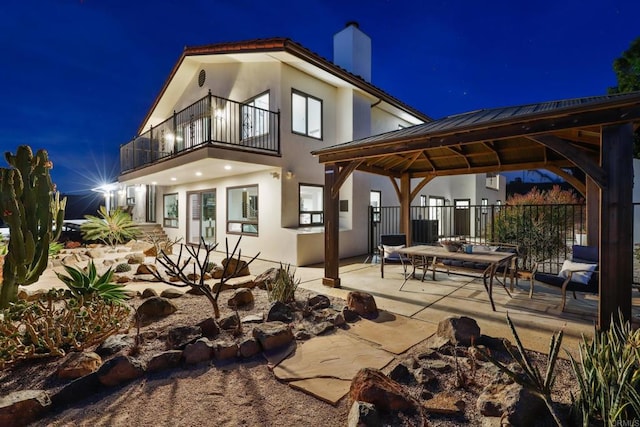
[[423, 256]]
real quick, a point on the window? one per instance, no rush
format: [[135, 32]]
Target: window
[[255, 116], [375, 201], [170, 211], [485, 204], [242, 210], [306, 115], [423, 200], [493, 181], [131, 195], [311, 205]]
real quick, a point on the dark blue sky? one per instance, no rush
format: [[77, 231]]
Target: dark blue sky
[[78, 76]]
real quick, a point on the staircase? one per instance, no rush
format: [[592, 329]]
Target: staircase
[[152, 232]]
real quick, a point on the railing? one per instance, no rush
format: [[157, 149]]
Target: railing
[[211, 121], [543, 232]]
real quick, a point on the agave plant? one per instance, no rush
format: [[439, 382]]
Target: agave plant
[[87, 282], [111, 228]]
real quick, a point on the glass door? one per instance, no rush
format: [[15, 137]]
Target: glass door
[[202, 217]]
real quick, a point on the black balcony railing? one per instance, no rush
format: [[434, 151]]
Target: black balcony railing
[[211, 121]]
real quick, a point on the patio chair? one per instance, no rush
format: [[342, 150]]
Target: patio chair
[[389, 244], [579, 274]]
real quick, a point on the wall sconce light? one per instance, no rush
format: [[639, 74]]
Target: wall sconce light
[[275, 175], [289, 174]]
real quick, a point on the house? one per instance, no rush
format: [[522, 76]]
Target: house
[[224, 150]]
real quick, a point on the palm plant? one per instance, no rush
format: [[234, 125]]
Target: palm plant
[[111, 228], [83, 283]]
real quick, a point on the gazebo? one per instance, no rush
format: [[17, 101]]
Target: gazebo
[[594, 135]]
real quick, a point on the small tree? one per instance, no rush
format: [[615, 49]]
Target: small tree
[[32, 209]]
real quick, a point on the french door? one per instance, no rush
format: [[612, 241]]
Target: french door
[[202, 217]]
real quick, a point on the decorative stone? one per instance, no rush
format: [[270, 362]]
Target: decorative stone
[[146, 269], [120, 369], [165, 360], [318, 302], [511, 401], [350, 315], [268, 276], [424, 375], [225, 350], [280, 312], [438, 366], [199, 351], [230, 322], [271, 335], [178, 337], [401, 374], [23, 407], [114, 344], [321, 328], [253, 318], [249, 347], [460, 330], [337, 318], [241, 298], [234, 265], [445, 403], [362, 303], [155, 307], [148, 293], [95, 253], [136, 258], [372, 386], [209, 327], [302, 335], [79, 364], [108, 262], [77, 390], [121, 278], [171, 293], [363, 414]]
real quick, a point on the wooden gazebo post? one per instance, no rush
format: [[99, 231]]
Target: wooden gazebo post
[[616, 212], [331, 227]]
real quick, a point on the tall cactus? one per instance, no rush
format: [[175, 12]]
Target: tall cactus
[[32, 209]]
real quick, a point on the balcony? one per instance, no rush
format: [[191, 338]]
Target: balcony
[[209, 122]]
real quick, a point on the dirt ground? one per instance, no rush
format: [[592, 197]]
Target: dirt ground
[[240, 393]]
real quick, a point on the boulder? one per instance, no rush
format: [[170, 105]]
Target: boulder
[[146, 269], [363, 414], [401, 374], [156, 307], [318, 302], [271, 335], [114, 344], [237, 266], [23, 407], [459, 330], [165, 360], [372, 386], [241, 298], [179, 336], [512, 402], [263, 279], [136, 258], [209, 327], [95, 253], [171, 293], [253, 318], [79, 364], [224, 349], [230, 322], [119, 370], [280, 312], [350, 315], [322, 327], [199, 351], [445, 403], [77, 390], [149, 292], [362, 303], [249, 347]]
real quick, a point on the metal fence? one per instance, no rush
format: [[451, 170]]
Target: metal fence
[[209, 121], [543, 232]]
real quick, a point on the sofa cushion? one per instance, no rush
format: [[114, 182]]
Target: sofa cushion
[[581, 271]]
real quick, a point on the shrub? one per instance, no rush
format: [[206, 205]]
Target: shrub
[[609, 375], [283, 288], [83, 283], [55, 248], [54, 326], [210, 266], [123, 267], [111, 228]]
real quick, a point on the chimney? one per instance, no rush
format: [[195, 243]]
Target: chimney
[[352, 50]]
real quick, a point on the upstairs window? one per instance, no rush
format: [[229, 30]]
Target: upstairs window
[[255, 116], [306, 115], [493, 181]]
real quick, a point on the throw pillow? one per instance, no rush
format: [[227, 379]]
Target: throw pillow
[[582, 271], [391, 251]]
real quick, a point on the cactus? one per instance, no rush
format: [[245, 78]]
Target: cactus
[[32, 209], [123, 267]]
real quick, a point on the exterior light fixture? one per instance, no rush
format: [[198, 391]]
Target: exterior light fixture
[[227, 167]]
